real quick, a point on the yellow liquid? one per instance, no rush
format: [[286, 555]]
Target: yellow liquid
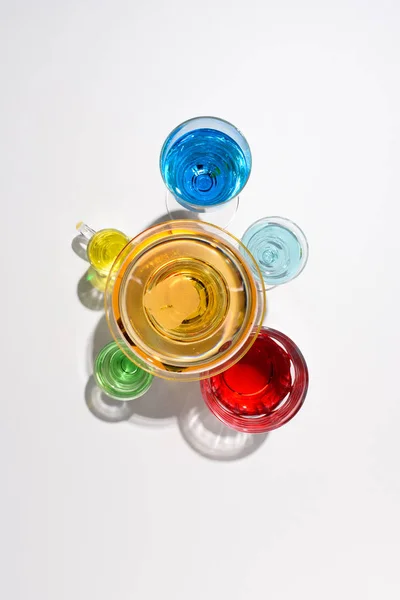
[[104, 247], [184, 302]]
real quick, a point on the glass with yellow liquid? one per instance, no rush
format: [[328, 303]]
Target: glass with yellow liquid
[[182, 301], [102, 249]]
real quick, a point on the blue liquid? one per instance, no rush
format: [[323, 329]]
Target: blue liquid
[[204, 167], [277, 251]]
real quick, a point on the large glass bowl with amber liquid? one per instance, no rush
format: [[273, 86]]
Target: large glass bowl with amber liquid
[[182, 301]]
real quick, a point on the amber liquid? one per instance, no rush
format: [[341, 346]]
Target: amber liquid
[[184, 300]]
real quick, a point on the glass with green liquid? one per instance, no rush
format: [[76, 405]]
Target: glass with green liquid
[[118, 376]]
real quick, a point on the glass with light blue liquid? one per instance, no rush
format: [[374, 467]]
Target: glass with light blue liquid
[[205, 163], [279, 247]]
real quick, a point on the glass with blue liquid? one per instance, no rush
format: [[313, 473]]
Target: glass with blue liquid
[[205, 163], [279, 248]]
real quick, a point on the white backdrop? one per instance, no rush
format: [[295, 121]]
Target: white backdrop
[[92, 509]]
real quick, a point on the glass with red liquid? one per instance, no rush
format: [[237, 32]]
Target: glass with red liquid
[[262, 391]]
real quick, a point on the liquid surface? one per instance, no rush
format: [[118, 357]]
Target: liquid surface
[[104, 247], [259, 382], [205, 167], [118, 376], [173, 301], [277, 251], [184, 302]]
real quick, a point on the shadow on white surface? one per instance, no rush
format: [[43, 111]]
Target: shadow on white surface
[[105, 408], [101, 337], [161, 405], [79, 246], [88, 295], [211, 438], [175, 214], [169, 403]]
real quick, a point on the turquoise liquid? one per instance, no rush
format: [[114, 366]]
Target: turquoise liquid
[[277, 251], [205, 167]]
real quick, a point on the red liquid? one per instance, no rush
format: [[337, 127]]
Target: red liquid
[[264, 390], [259, 382]]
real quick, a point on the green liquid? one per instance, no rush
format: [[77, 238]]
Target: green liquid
[[119, 377]]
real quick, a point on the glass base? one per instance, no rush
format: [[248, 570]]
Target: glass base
[[222, 216]]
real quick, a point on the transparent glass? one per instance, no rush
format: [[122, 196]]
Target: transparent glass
[[264, 390], [205, 163], [279, 247], [102, 249], [182, 302], [118, 376]]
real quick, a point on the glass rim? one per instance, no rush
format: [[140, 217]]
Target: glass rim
[[202, 371], [296, 230], [148, 380], [211, 117], [176, 129], [280, 415]]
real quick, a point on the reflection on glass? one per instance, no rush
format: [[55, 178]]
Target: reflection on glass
[[182, 302], [118, 376], [279, 247], [205, 163], [262, 391]]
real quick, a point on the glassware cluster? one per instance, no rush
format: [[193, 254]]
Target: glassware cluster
[[186, 300]]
